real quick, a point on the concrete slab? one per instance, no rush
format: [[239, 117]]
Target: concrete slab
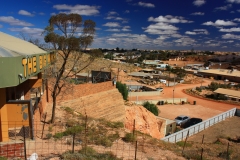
[[198, 111]]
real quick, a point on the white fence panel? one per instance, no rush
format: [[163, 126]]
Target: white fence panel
[[181, 135]]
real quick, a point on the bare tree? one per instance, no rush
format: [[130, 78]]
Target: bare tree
[[68, 34], [32, 40]]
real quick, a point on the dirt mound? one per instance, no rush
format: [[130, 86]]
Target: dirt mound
[[191, 79], [145, 121]]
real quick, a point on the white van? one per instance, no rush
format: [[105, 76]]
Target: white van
[[163, 81]]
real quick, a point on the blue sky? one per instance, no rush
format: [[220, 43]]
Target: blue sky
[[212, 25]]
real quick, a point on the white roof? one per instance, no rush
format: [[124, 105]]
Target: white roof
[[225, 72], [13, 47]]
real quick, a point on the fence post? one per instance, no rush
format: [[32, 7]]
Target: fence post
[[227, 151], [73, 142], [202, 138], [45, 116], [136, 150], [86, 135], [202, 154], [185, 142], [133, 127], [24, 142]]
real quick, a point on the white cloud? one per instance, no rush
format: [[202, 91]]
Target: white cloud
[[237, 19], [111, 39], [198, 13], [25, 13], [238, 10], [126, 28], [185, 41], [1, 26], [169, 19], [113, 30], [78, 9], [199, 2], [13, 21], [224, 7], [112, 24], [161, 28], [149, 5], [230, 36], [233, 1], [230, 30], [191, 33], [201, 31], [220, 23], [41, 13], [127, 11], [197, 31], [163, 37], [112, 13], [32, 32], [27, 30]]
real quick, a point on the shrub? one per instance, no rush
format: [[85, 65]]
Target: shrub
[[122, 88], [58, 135], [115, 124], [3, 158], [73, 130], [104, 141], [88, 153], [49, 135], [129, 137], [181, 144], [151, 107], [199, 89], [68, 110]]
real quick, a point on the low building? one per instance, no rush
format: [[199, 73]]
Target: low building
[[221, 74], [21, 83], [230, 94], [150, 62]]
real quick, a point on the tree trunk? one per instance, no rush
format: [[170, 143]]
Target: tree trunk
[[53, 107]]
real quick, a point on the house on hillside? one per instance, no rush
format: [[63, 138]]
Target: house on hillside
[[151, 62], [21, 85]]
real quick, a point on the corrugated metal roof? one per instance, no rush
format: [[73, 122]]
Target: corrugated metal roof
[[225, 72], [12, 47], [228, 92]]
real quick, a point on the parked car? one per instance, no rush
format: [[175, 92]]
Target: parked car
[[159, 89], [181, 119], [191, 122], [163, 81]]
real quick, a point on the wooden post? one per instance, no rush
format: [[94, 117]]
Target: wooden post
[[136, 151], [202, 138], [44, 124], [185, 141], [227, 157], [24, 143], [202, 154], [73, 142]]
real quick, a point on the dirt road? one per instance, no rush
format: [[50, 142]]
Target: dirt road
[[178, 93]]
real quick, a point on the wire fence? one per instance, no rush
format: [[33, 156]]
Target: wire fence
[[76, 135], [84, 137]]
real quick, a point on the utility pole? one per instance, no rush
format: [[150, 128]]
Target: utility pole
[[173, 89]]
